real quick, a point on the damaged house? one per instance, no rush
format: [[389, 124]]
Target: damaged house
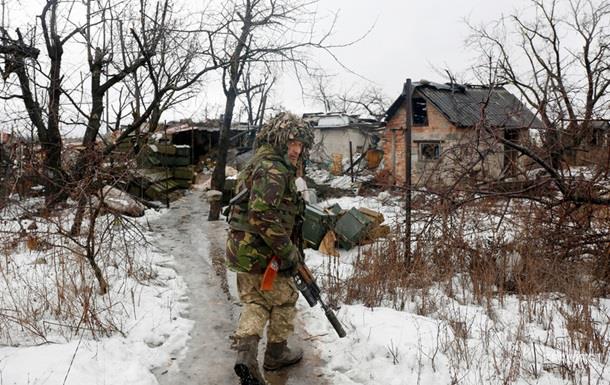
[[594, 148], [203, 137], [334, 131], [453, 126]]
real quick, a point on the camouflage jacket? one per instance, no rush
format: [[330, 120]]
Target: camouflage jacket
[[262, 225]]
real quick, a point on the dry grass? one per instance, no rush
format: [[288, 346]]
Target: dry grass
[[49, 290], [553, 261]]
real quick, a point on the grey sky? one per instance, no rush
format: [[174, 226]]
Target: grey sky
[[416, 39], [409, 39]]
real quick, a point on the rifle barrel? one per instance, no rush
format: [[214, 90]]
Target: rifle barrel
[[332, 318]]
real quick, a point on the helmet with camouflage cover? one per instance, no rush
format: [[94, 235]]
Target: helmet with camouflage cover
[[283, 128]]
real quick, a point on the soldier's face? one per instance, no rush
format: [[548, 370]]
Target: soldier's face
[[294, 151]]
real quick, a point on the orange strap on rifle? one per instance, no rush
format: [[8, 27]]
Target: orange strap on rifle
[[270, 273]]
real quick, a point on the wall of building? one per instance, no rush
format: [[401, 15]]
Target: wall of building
[[328, 141], [456, 145]]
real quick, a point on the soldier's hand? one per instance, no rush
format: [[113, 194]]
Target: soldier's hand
[[290, 264]]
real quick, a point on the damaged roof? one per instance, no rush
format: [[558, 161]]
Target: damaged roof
[[462, 105]]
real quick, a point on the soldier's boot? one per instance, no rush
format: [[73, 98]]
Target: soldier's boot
[[278, 355], [246, 365]]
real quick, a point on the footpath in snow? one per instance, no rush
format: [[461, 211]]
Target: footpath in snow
[[198, 250], [176, 321]]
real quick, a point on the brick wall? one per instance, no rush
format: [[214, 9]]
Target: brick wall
[[438, 129]]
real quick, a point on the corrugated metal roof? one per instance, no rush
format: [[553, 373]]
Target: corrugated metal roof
[[462, 105]]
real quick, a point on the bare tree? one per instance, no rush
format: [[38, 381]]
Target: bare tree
[[257, 87], [559, 65], [161, 59], [257, 31], [365, 100], [21, 58]]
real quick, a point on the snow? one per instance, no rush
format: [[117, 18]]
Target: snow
[[383, 346], [433, 338], [520, 341], [147, 311], [322, 176]]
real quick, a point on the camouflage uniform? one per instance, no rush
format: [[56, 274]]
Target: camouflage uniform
[[261, 227]]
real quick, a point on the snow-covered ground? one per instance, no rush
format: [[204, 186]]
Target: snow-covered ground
[[443, 339], [144, 307], [436, 338]]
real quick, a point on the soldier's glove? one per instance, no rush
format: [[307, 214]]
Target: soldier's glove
[[290, 264]]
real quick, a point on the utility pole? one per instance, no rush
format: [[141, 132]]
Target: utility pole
[[408, 94], [4, 14]]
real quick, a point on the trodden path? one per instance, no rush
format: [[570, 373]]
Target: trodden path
[[198, 248]]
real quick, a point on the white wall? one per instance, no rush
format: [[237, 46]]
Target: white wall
[[336, 140]]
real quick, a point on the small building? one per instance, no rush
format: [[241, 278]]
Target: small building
[[334, 131], [204, 136], [452, 127], [595, 148]]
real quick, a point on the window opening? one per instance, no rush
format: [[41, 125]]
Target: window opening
[[429, 150], [420, 112]]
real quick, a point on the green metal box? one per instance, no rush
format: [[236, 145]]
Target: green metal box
[[351, 228], [183, 151], [184, 172], [316, 223]]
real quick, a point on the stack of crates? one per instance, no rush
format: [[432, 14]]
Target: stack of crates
[[316, 224], [351, 227], [164, 168]]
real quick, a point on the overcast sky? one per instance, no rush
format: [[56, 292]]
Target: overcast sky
[[416, 39]]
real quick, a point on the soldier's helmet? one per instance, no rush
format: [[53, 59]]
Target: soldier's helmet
[[283, 128]]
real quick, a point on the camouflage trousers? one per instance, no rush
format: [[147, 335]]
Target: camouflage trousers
[[259, 307]]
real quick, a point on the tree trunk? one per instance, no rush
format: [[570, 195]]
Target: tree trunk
[[53, 146], [218, 177]]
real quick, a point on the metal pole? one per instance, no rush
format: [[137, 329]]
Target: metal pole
[[192, 145], [407, 92], [166, 181], [351, 160]]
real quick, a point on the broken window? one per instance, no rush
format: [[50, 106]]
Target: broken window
[[429, 150], [420, 112], [510, 154], [597, 138]]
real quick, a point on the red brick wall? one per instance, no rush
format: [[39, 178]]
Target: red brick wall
[[438, 129]]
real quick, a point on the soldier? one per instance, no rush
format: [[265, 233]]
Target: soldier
[[260, 228]]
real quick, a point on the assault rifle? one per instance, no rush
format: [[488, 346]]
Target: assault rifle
[[305, 281], [309, 288]]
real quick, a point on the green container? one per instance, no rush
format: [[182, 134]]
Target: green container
[[183, 183], [157, 174], [173, 161], [183, 150], [124, 146], [165, 148], [159, 190], [336, 209], [351, 228], [185, 172], [148, 158], [316, 224]]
